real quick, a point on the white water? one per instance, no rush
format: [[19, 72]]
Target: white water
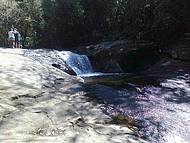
[[80, 64]]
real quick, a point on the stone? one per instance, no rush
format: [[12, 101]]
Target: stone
[[40, 103], [66, 69], [122, 56]]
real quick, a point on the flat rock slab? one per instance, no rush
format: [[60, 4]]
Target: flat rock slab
[[39, 103]]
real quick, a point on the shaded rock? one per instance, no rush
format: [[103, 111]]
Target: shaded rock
[[56, 66], [113, 66], [168, 68], [178, 51], [65, 69], [122, 56]]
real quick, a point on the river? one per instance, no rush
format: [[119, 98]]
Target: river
[[156, 108], [160, 109]]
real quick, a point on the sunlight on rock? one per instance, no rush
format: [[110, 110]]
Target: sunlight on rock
[[40, 103], [177, 83]]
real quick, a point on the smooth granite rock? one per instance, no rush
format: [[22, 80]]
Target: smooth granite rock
[[40, 103]]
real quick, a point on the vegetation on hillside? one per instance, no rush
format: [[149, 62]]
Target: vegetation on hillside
[[66, 23]]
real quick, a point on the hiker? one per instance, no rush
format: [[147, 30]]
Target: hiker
[[19, 40], [16, 34], [11, 38]]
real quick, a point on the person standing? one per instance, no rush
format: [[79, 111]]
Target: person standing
[[16, 34], [11, 38], [19, 40]]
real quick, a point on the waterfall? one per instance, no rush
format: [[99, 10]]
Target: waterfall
[[80, 64]]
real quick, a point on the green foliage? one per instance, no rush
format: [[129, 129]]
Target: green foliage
[[64, 23], [87, 21], [25, 15]]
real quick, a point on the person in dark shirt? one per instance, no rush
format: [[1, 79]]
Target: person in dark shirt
[[17, 38]]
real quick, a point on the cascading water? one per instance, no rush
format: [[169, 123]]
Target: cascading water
[[80, 64]]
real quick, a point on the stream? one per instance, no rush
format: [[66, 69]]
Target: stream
[[160, 110], [157, 109]]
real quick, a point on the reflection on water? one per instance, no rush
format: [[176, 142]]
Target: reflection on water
[[159, 108]]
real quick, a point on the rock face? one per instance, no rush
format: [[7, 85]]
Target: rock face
[[39, 103], [122, 56], [179, 51]]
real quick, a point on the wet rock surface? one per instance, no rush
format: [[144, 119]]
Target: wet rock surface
[[40, 103], [155, 101]]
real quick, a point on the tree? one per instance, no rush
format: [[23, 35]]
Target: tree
[[30, 20], [67, 23], [26, 15], [8, 17]]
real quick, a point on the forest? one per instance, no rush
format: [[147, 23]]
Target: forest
[[71, 23]]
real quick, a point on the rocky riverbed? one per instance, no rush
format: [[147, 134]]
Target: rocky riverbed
[[40, 103], [155, 101]]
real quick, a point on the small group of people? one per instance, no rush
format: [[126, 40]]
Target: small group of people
[[14, 38]]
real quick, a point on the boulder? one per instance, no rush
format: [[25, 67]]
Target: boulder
[[122, 56]]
